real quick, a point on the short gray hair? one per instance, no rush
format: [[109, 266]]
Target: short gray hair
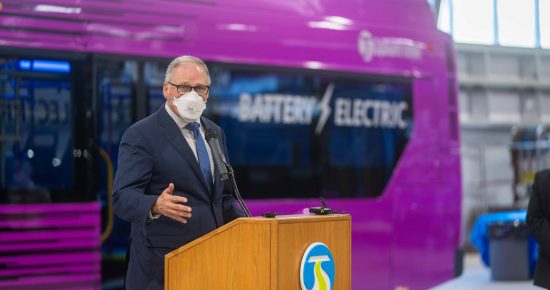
[[186, 58]]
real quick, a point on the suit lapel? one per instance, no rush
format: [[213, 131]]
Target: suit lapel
[[174, 136]]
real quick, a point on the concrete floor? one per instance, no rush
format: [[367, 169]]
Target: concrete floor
[[478, 277]]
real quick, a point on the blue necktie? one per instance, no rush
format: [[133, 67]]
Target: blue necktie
[[204, 161]]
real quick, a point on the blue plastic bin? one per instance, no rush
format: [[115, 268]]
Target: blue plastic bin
[[505, 235]]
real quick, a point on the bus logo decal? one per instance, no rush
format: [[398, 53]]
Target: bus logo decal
[[317, 268]]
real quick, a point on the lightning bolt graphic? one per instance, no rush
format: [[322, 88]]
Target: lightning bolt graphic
[[324, 108]]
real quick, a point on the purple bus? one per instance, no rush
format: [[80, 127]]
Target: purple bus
[[352, 101]]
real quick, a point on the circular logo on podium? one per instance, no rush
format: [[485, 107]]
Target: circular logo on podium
[[317, 268]]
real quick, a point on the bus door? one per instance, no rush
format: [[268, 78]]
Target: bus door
[[44, 156]]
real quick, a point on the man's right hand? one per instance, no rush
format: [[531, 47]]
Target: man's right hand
[[170, 205]]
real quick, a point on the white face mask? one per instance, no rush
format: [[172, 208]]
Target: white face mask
[[190, 106]]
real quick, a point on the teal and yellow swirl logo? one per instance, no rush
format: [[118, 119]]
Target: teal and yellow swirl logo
[[317, 269]]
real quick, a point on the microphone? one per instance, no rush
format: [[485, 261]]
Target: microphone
[[323, 210], [219, 158], [226, 171]]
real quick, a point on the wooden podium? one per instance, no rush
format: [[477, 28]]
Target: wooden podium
[[259, 253]]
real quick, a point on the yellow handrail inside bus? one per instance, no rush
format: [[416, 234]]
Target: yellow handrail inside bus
[[110, 218]]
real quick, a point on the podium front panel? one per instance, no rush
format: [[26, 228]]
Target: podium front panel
[[296, 235], [235, 259]]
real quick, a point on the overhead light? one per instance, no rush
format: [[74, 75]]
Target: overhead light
[[51, 65], [25, 64], [44, 65]]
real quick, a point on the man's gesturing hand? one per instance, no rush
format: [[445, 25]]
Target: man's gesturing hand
[[170, 205]]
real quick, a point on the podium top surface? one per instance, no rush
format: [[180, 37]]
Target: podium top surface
[[299, 218]]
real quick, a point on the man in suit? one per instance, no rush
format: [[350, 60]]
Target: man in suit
[[538, 221], [166, 184]]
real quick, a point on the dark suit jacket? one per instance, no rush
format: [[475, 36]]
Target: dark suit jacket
[[538, 221], [153, 153]]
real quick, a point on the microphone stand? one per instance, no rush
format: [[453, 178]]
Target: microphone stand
[[231, 175], [226, 171]]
